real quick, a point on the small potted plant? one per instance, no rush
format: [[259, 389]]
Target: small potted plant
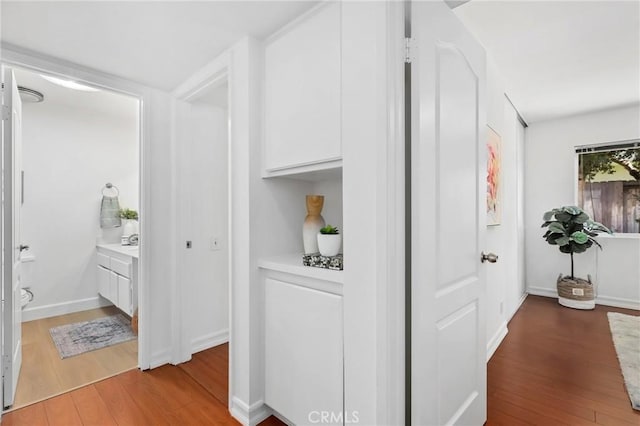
[[329, 240], [571, 229], [130, 218]]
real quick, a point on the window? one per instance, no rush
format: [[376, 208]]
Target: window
[[609, 185]]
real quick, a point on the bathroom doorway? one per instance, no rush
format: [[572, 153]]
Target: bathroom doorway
[[80, 147]]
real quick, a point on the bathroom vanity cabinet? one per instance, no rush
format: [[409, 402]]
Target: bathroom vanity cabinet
[[303, 339], [118, 275]]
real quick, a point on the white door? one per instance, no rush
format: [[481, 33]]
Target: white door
[[448, 178], [11, 244]]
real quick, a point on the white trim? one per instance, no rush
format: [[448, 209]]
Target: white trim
[[17, 56], [520, 302], [55, 309], [213, 74], [542, 291], [209, 340], [617, 302], [498, 337], [392, 346], [249, 415], [159, 358]]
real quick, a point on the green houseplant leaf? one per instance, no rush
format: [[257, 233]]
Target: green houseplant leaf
[[571, 229]]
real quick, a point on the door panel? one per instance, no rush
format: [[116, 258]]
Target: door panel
[[11, 204], [448, 359]]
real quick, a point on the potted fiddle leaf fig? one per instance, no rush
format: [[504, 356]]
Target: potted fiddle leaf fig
[[571, 229]]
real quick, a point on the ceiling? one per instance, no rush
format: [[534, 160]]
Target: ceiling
[[561, 58], [100, 102], [159, 44], [557, 58]]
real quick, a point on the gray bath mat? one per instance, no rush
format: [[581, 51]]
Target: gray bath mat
[[625, 330], [78, 338]]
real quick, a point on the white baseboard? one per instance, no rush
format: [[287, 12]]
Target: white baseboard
[[497, 338], [160, 358], [617, 302], [542, 291], [249, 415], [209, 340], [47, 311], [520, 302]]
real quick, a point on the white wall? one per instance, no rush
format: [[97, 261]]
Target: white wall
[[204, 273], [550, 181], [505, 283], [69, 153]]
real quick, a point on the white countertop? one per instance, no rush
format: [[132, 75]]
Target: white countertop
[[132, 251]]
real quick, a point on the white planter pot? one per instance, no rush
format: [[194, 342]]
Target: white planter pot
[[329, 244], [130, 227]]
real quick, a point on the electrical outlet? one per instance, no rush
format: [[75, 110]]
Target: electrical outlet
[[501, 308], [215, 243], [188, 244]]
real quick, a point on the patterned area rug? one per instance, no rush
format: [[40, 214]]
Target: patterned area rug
[[78, 338], [625, 330]]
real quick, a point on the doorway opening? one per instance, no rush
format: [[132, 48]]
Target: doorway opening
[[204, 262], [80, 194]]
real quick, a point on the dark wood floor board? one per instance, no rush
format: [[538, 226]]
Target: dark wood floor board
[[528, 386], [123, 409], [559, 362], [61, 411], [557, 413], [521, 413], [91, 408], [210, 369], [500, 418], [542, 398], [33, 415], [557, 366], [612, 420]]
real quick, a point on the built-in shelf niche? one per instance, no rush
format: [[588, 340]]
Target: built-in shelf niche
[[291, 191]]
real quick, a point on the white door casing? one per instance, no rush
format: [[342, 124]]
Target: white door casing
[[448, 353], [11, 243]]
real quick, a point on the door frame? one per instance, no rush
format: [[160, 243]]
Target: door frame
[[214, 74], [13, 56]]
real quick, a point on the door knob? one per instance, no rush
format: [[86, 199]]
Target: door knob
[[23, 247], [490, 257]]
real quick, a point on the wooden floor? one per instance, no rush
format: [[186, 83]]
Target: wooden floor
[[45, 374], [167, 395], [557, 366]]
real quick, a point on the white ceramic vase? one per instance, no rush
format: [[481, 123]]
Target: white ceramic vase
[[312, 223], [329, 244]]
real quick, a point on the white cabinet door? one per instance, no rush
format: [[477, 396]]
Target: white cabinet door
[[113, 287], [302, 92], [124, 294], [103, 282], [303, 352]]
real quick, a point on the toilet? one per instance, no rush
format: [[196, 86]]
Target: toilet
[[27, 275]]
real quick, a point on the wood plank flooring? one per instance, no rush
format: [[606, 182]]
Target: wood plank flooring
[[44, 374], [557, 366]]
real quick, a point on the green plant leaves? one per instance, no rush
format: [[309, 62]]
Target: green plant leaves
[[579, 237], [571, 229], [329, 230]]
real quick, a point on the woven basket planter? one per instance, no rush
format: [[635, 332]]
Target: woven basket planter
[[576, 293]]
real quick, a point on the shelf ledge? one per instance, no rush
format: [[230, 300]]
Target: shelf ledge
[[292, 264]]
